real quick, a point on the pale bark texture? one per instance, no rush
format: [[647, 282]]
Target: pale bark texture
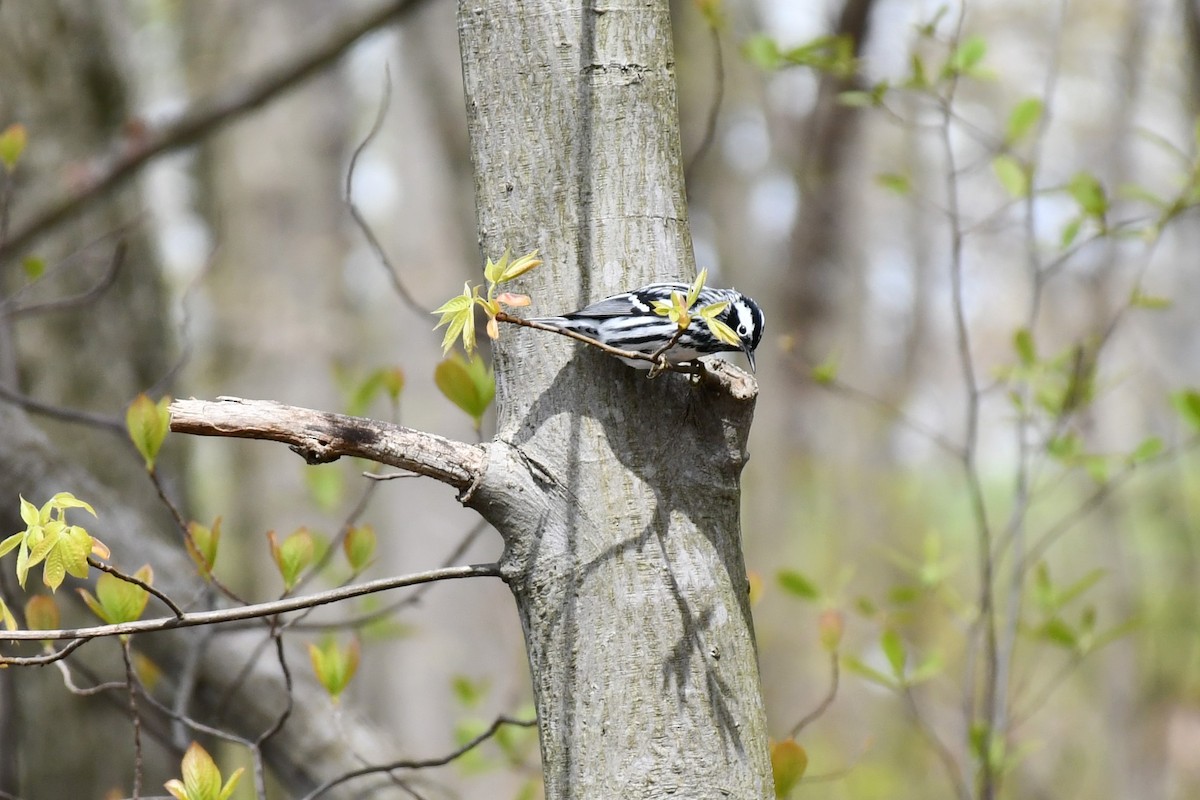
[[617, 495]]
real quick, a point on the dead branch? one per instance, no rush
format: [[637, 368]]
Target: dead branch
[[320, 436]]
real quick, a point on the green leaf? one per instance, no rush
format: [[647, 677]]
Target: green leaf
[[1187, 403], [858, 99], [1089, 194], [1139, 300], [930, 667], [1070, 231], [798, 584], [6, 617], [202, 543], [470, 693], [12, 144], [515, 269], [118, 601], [201, 778], [293, 555], [384, 379], [1146, 450], [870, 673], [893, 648], [470, 385], [1065, 447], [359, 546], [895, 182], [1022, 119], [826, 372], [41, 613], [1012, 174], [34, 267], [719, 329], [148, 423], [1026, 350], [335, 666], [458, 313], [1056, 631], [763, 52], [967, 56], [789, 761], [326, 485]]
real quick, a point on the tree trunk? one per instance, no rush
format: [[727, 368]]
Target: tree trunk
[[617, 495]]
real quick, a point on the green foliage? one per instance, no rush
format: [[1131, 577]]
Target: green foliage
[[293, 555], [201, 778], [33, 267], [148, 423], [202, 543], [1012, 174], [326, 485], [6, 616], [789, 762], [678, 309], [116, 599], [388, 381], [469, 384], [47, 539], [830, 54], [895, 182], [41, 613], [12, 144], [359, 547], [1023, 119], [335, 665], [1186, 402], [458, 313], [798, 585], [966, 58]]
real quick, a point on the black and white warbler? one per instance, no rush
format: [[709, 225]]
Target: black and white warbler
[[630, 321]]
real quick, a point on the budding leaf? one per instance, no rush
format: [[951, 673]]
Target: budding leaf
[[148, 423], [470, 385], [334, 666], [1024, 116], [12, 144], [789, 761], [359, 546]]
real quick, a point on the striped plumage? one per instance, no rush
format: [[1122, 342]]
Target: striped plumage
[[627, 321]]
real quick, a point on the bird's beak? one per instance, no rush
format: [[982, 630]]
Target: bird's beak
[[749, 357]]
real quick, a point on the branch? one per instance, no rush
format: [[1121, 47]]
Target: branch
[[199, 121], [320, 436], [253, 611], [482, 737]]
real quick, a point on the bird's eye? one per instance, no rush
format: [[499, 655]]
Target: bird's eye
[[743, 330]]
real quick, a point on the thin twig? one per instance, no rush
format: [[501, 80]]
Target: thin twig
[[135, 718], [202, 119], [103, 422], [498, 723], [825, 703], [136, 581], [76, 300], [356, 215], [254, 611], [714, 110]]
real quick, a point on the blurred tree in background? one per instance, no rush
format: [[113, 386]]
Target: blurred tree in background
[[970, 514]]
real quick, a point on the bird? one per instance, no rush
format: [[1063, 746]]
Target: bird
[[628, 321]]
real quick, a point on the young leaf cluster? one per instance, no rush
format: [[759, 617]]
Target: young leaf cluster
[[679, 309], [48, 539], [458, 313]]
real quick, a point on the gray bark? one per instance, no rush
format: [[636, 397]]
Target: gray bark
[[617, 495]]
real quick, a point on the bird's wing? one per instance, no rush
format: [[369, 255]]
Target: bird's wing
[[639, 301]]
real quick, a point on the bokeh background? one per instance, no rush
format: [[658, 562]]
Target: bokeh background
[[847, 220]]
